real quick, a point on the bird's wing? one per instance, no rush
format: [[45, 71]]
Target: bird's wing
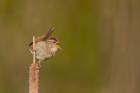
[[37, 40], [44, 37]]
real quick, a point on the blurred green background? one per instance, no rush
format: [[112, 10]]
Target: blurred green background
[[76, 69], [100, 41]]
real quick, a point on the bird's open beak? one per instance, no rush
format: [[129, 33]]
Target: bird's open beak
[[58, 46]]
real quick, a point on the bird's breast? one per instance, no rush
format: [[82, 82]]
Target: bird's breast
[[42, 51]]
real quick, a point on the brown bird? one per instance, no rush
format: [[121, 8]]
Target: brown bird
[[45, 46]]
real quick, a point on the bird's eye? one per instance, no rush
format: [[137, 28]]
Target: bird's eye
[[55, 41]]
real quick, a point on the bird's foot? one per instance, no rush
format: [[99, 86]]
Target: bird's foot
[[38, 66]]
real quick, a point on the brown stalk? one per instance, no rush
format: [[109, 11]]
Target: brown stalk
[[34, 73]]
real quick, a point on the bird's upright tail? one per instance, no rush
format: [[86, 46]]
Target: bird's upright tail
[[48, 34]]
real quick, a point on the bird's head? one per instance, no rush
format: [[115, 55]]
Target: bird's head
[[54, 44]]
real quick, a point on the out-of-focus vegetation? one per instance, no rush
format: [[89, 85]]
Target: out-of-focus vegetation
[[100, 41], [76, 69], [120, 30]]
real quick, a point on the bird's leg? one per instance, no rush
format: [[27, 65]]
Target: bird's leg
[[38, 64]]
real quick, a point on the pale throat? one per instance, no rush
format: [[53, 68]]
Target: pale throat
[[54, 48]]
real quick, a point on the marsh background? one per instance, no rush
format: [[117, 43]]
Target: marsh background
[[100, 41]]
